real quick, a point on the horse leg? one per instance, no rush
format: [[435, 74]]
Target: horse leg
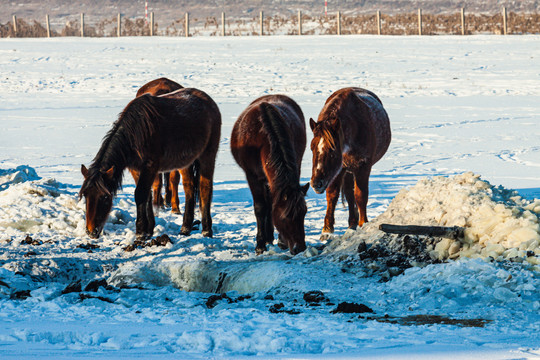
[[166, 185], [361, 191], [348, 191], [268, 223], [150, 219], [262, 210], [174, 180], [332, 196], [135, 175], [188, 181], [206, 188], [144, 227], [156, 190]]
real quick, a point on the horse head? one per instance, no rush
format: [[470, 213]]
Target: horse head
[[326, 147], [288, 212], [97, 190]]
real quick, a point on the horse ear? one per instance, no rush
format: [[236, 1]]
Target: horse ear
[[84, 171], [335, 123], [305, 189], [312, 123], [109, 173]]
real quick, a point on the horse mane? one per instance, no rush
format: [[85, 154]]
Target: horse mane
[[129, 134], [326, 131], [282, 158]]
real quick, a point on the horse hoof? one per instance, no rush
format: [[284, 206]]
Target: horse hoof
[[328, 229], [282, 245], [207, 233], [185, 231], [297, 249], [142, 237], [176, 211], [326, 236], [260, 251]]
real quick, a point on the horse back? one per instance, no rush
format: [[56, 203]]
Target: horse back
[[158, 87], [365, 123], [251, 146], [188, 126]]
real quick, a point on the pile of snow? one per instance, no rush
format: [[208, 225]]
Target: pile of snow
[[30, 205], [498, 223], [18, 175]]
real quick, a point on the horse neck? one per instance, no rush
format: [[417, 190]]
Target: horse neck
[[113, 153], [280, 180]]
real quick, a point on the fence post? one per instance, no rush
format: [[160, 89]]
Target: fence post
[[339, 23], [119, 26], [378, 22], [420, 22], [48, 25], [505, 29], [262, 22], [463, 30], [187, 25], [222, 24], [15, 24], [152, 23], [82, 24], [299, 22]]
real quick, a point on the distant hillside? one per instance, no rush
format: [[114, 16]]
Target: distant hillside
[[170, 10]]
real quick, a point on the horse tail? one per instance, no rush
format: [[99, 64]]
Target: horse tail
[[347, 182], [196, 167], [281, 149]]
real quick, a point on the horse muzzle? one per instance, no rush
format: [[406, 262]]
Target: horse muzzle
[[319, 186], [94, 234]]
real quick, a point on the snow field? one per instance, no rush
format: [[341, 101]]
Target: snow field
[[458, 107]]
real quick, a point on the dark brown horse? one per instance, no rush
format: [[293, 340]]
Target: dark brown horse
[[268, 141], [158, 87], [351, 134], [171, 179], [152, 135]]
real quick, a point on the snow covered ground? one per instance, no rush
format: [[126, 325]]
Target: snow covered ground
[[456, 104]]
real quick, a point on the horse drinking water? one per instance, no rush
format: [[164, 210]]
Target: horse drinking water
[[152, 135], [268, 141], [351, 134]]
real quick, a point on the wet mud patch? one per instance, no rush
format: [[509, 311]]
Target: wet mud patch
[[161, 240], [213, 300], [419, 320], [351, 308], [392, 254]]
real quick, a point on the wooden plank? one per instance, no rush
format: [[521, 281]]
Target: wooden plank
[[222, 24], [48, 25], [420, 22], [452, 232], [119, 25], [463, 30], [299, 22]]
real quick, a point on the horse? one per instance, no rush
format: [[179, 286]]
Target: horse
[[158, 87], [151, 135], [171, 179], [351, 134], [268, 142]]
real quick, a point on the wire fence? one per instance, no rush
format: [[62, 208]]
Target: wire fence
[[378, 23]]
